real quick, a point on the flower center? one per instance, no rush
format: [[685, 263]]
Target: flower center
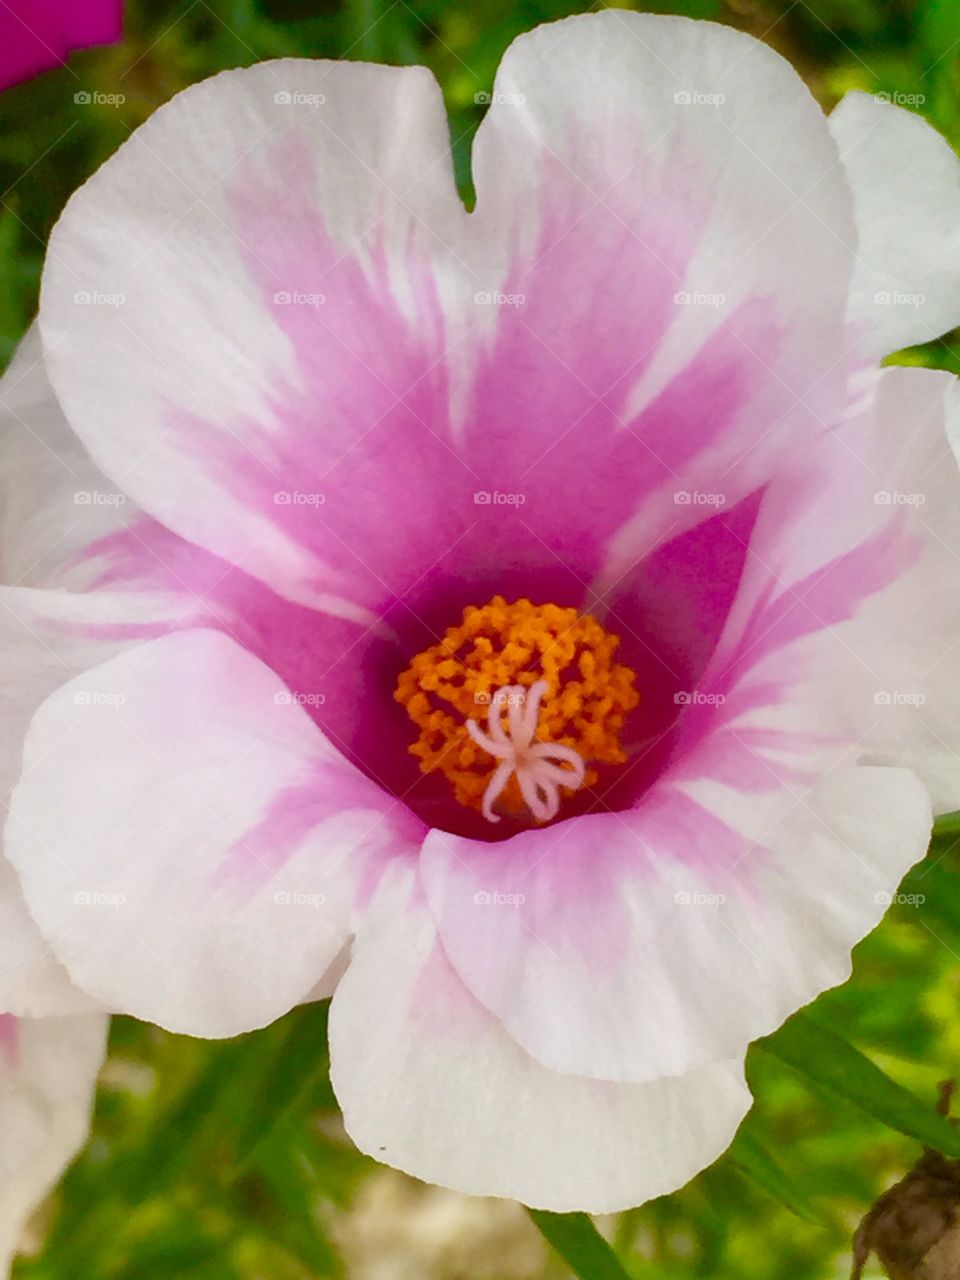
[[553, 701]]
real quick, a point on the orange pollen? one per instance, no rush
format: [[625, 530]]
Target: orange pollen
[[517, 706]]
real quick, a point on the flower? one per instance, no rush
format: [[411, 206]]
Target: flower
[[491, 619], [35, 35]]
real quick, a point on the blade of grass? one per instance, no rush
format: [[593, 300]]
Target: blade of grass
[[831, 1065], [578, 1242]]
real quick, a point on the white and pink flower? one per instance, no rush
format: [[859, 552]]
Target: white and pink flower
[[595, 496]]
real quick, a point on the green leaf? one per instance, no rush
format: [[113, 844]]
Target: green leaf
[[832, 1066], [948, 824], [578, 1242], [931, 891], [752, 1159]]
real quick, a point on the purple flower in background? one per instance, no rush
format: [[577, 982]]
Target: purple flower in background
[[36, 35]]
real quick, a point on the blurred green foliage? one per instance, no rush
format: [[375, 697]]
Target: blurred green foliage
[[226, 1160]]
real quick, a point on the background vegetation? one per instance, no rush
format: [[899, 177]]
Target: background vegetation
[[227, 1160]]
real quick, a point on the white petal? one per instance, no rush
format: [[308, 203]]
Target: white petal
[[53, 503], [33, 982], [53, 500], [906, 190], [904, 681], [48, 1071], [201, 861], [430, 1083]]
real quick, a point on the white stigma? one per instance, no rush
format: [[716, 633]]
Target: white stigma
[[536, 764]]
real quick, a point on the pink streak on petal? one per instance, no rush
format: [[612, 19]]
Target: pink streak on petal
[[367, 423], [753, 759], [331, 791], [342, 673], [571, 880]]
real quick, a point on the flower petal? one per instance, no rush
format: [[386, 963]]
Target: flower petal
[[177, 297], [906, 190], [53, 500], [33, 982], [48, 1071], [904, 686], [430, 1083], [630, 155], [208, 847], [646, 943]]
